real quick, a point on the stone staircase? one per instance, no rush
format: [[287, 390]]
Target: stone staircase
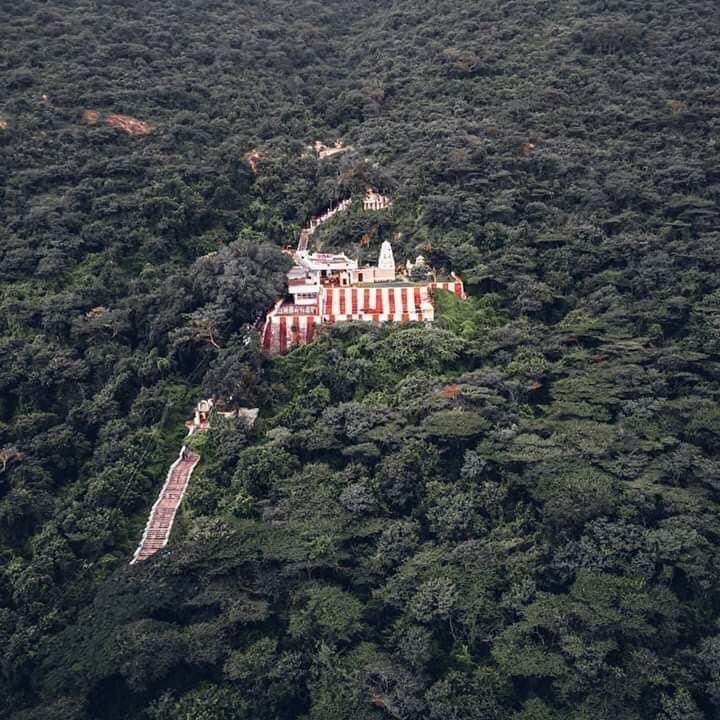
[[161, 518]]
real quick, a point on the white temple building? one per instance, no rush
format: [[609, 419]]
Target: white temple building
[[313, 271], [375, 201]]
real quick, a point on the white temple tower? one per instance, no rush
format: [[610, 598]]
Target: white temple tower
[[386, 263]]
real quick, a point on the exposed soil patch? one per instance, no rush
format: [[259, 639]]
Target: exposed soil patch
[[91, 117], [450, 391], [130, 125], [253, 158]]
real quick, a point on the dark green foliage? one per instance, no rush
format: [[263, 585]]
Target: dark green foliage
[[510, 514]]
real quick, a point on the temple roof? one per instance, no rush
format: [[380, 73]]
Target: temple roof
[[326, 261]]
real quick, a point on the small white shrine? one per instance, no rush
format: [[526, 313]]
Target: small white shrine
[[375, 201], [202, 413]]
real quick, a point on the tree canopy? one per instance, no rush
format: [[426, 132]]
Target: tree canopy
[[511, 513]]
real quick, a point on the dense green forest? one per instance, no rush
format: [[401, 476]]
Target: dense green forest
[[511, 514]]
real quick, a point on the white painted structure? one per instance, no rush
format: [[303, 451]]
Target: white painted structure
[[375, 201]]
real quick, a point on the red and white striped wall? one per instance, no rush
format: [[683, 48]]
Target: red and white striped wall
[[283, 331], [376, 304], [285, 328], [454, 286]]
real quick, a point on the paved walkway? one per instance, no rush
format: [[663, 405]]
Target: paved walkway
[[162, 515], [315, 222]]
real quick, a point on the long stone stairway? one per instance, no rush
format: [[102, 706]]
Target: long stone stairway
[[315, 222], [162, 516]]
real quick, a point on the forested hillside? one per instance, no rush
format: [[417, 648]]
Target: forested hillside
[[510, 514]]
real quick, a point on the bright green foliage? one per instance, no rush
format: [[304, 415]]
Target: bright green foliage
[[325, 613], [469, 318]]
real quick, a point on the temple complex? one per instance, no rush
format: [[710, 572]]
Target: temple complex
[[325, 288]]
